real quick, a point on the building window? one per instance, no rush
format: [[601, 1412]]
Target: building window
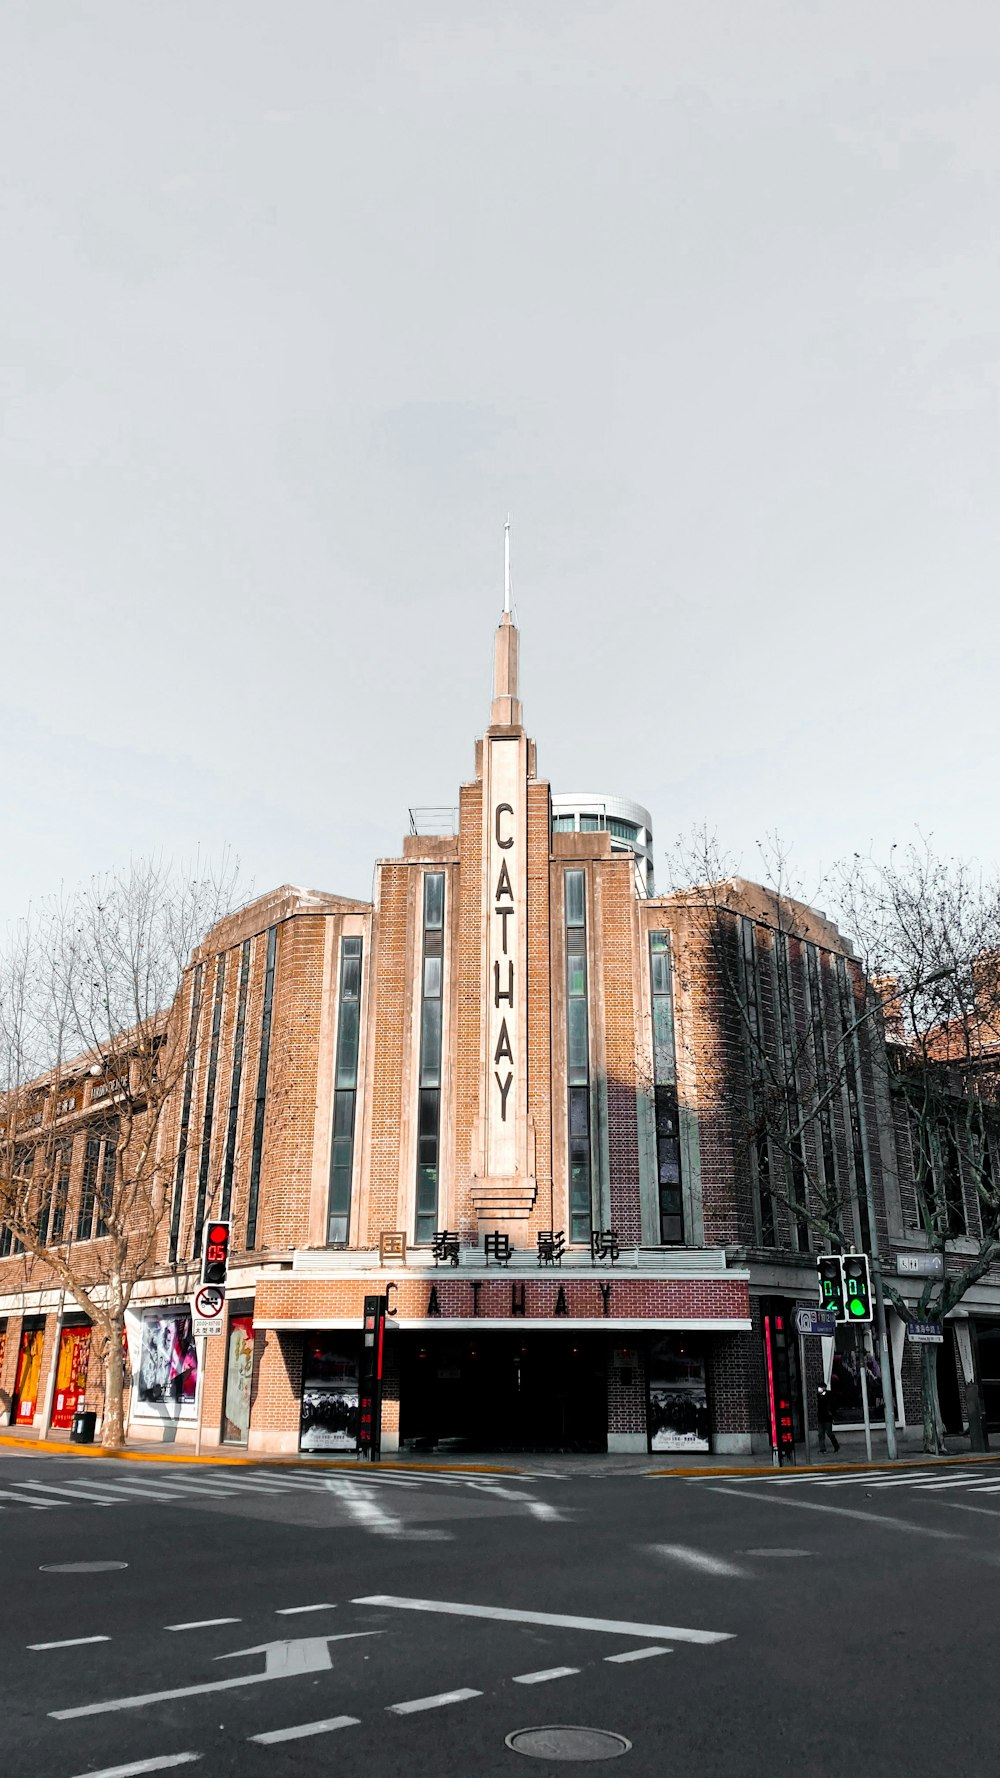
[[591, 823], [88, 1189], [235, 1081], [577, 1055], [668, 1142], [429, 1107], [757, 1098], [564, 824], [60, 1193], [345, 1092], [261, 1098], [623, 830], [852, 1088], [821, 1083], [209, 1117], [791, 1056], [182, 1134]]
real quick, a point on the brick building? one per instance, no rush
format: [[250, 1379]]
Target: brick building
[[517, 1087]]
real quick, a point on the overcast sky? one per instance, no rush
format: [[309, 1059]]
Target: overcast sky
[[298, 299]]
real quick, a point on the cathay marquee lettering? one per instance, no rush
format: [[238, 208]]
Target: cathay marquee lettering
[[503, 890]]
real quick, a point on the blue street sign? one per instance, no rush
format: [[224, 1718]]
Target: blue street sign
[[813, 1321], [925, 1333]]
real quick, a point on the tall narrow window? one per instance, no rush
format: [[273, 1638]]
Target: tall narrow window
[[182, 1134], [668, 1146], [345, 1092], [429, 1105], [88, 1189], [209, 1116], [821, 1081], [261, 1099], [235, 1082], [760, 1147], [577, 1056], [60, 1194], [795, 1171], [851, 1057], [106, 1190]]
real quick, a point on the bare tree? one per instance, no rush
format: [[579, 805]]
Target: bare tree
[[87, 984], [929, 931]]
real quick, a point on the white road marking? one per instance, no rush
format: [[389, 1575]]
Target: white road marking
[[76, 1493], [203, 1623], [539, 1509], [433, 1703], [294, 1610], [543, 1674], [144, 1765], [284, 1660], [690, 1558], [370, 1514], [559, 1620], [639, 1654], [305, 1728], [842, 1512], [70, 1642]]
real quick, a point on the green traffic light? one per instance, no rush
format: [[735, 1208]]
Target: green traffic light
[[856, 1306]]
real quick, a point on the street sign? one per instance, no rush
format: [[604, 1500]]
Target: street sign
[[925, 1333], [813, 1321], [920, 1265], [208, 1307]]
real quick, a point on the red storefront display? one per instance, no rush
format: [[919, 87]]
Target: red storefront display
[[71, 1375], [29, 1367]]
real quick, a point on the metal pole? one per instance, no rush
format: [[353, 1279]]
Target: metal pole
[[864, 1393], [885, 1357], [199, 1393], [50, 1385], [805, 1395]]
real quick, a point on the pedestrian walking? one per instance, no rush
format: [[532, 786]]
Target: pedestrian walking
[[824, 1414]]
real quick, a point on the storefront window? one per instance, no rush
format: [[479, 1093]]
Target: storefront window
[[71, 1374], [329, 1397], [29, 1365], [168, 1366], [678, 1401], [845, 1381], [239, 1374]]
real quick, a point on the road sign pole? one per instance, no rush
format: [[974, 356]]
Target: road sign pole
[[805, 1395], [885, 1360], [199, 1394], [864, 1392]]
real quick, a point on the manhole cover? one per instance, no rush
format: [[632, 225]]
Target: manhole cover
[[561, 1741], [769, 1552], [80, 1567]]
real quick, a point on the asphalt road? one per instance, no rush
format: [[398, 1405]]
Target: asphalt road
[[726, 1627]]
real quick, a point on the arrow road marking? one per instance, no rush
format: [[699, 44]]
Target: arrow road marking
[[282, 1660], [560, 1621]]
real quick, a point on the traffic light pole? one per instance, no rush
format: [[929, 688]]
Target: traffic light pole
[[863, 1377], [199, 1393]]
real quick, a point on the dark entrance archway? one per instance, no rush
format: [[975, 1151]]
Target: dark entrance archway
[[504, 1391]]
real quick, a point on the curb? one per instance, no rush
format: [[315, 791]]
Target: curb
[[758, 1469], [50, 1448]]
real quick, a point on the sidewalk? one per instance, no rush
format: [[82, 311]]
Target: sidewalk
[[592, 1465]]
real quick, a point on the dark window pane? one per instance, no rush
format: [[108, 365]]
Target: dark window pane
[[351, 947], [434, 899], [563, 823], [347, 1043], [576, 974], [432, 977], [350, 978], [591, 823], [430, 1044], [575, 899], [576, 1030]]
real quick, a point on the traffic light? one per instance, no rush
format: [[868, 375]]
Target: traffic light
[[831, 1285], [857, 1287], [215, 1252]]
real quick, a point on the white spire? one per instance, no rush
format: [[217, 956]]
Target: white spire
[[506, 565]]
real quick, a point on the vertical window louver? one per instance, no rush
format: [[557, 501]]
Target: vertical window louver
[[235, 1081], [209, 1117], [261, 1097], [668, 1145], [345, 1092], [182, 1134], [577, 1056], [429, 1101]]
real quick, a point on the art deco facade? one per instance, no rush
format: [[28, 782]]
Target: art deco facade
[[519, 1067]]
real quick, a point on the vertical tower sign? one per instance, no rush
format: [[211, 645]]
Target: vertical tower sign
[[504, 953]]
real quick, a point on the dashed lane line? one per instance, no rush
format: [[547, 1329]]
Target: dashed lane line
[[558, 1620], [638, 1654], [302, 1729], [204, 1623], [699, 1560], [295, 1610], [435, 1702], [69, 1642], [543, 1674], [135, 1767], [842, 1512]]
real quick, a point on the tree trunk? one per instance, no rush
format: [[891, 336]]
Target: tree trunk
[[113, 1422], [933, 1440]]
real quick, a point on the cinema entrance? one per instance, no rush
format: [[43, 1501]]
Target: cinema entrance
[[503, 1391]]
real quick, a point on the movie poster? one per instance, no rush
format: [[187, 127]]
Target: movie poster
[[71, 1375], [239, 1375], [167, 1380], [678, 1401], [329, 1397]]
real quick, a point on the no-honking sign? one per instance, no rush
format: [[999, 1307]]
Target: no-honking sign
[[208, 1310]]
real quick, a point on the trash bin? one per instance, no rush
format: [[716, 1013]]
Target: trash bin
[[83, 1428]]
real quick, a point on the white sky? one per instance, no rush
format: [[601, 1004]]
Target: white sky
[[298, 299]]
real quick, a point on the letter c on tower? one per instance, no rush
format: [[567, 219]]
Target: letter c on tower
[[503, 809]]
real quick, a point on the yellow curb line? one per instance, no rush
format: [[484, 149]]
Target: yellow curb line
[[49, 1448], [759, 1469]]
